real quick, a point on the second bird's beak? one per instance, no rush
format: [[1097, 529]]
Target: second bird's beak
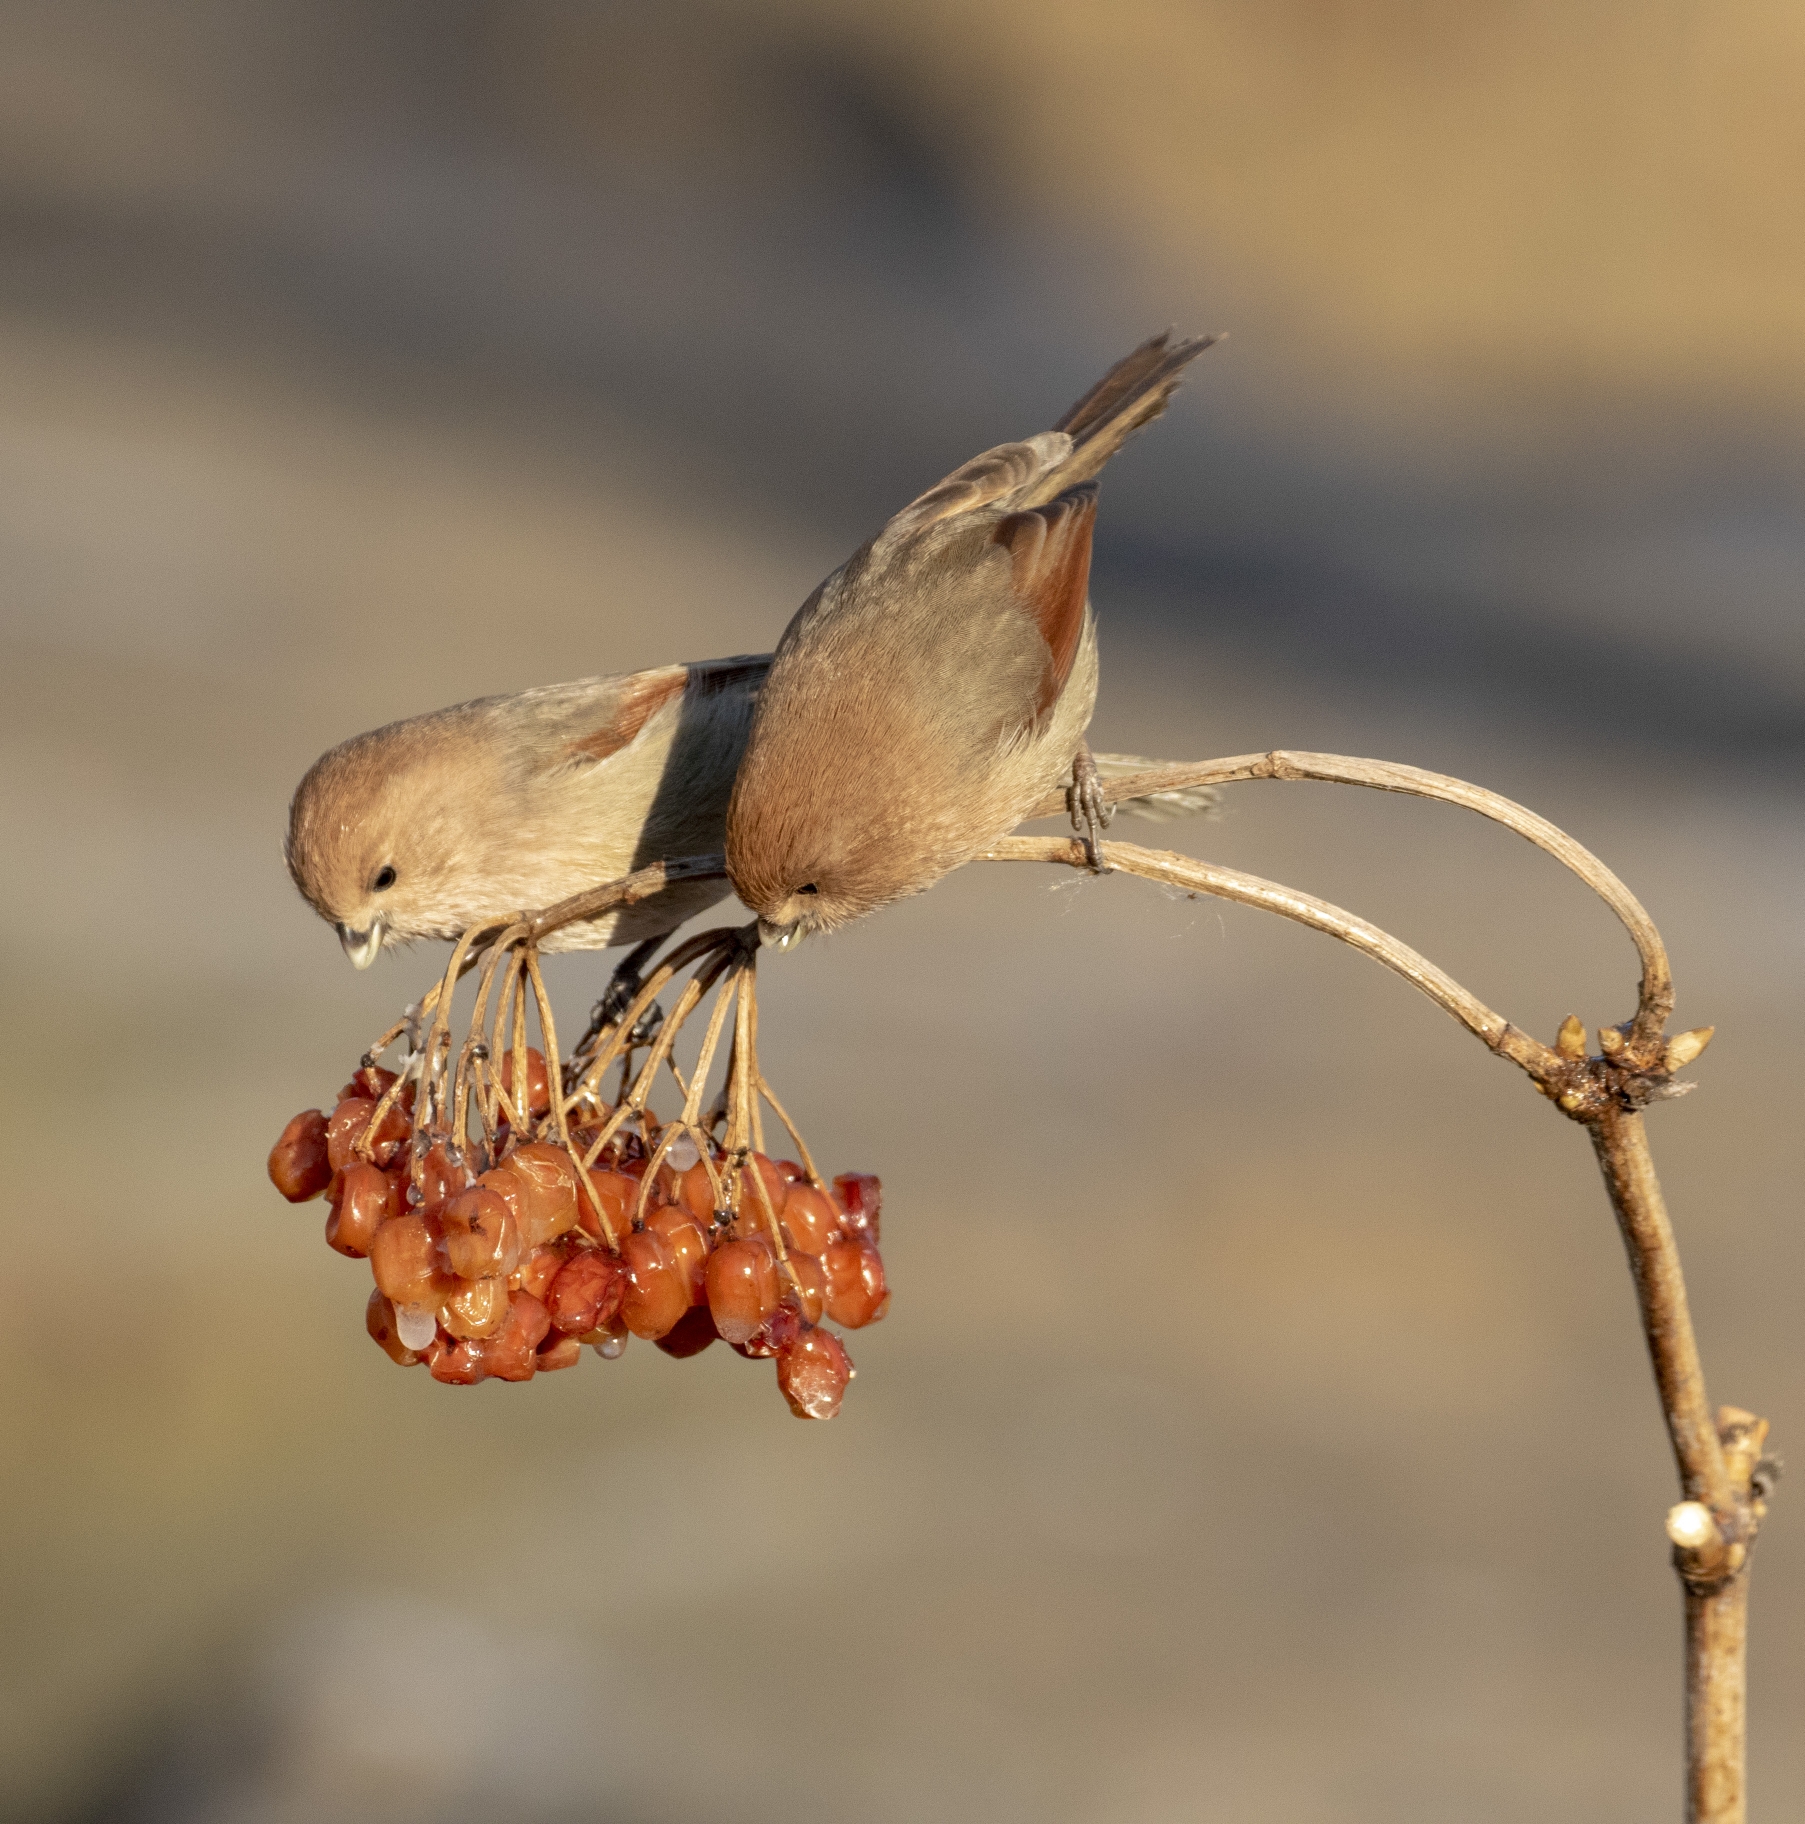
[[363, 947]]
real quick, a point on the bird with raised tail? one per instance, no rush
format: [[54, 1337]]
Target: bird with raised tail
[[940, 682]]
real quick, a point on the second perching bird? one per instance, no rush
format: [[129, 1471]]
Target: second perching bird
[[939, 684]]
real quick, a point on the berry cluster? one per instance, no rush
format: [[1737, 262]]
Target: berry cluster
[[493, 1261]]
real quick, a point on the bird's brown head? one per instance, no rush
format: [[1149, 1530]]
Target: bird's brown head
[[380, 840]]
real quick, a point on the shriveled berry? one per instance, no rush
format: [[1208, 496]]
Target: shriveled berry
[[511, 1354], [346, 1129], [538, 1081], [861, 1200], [616, 1193], [458, 1362], [443, 1174], [406, 1260], [482, 1239], [856, 1292], [559, 1351], [299, 1163], [379, 1320], [477, 1308], [587, 1291], [810, 1220], [550, 1176], [811, 1284], [812, 1373], [657, 1290], [781, 1329], [363, 1198], [539, 1269], [689, 1244], [742, 1288], [690, 1335]]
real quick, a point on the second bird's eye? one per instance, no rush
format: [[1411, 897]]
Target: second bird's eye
[[384, 880], [810, 888]]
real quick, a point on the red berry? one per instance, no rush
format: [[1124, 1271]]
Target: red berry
[[373, 1081], [810, 1220], [742, 1288], [559, 1351], [587, 1292], [657, 1290], [477, 1308], [379, 1320], [781, 1329], [811, 1285], [550, 1176], [363, 1198], [777, 1187], [696, 1194], [792, 1173], [538, 1081], [346, 1129], [482, 1240], [443, 1174], [616, 1193], [299, 1166], [459, 1363], [812, 1373], [861, 1199], [856, 1292], [690, 1335], [539, 1269], [688, 1243], [407, 1263]]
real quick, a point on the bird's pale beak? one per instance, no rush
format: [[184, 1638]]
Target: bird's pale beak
[[779, 937], [363, 947]]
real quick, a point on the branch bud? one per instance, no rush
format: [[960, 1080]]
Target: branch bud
[[1570, 1041], [1610, 1041], [1691, 1527], [1685, 1046]]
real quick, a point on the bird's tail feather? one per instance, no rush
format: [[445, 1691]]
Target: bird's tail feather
[[1131, 395], [1156, 807]]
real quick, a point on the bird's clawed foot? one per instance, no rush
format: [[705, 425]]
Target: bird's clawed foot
[[1090, 811]]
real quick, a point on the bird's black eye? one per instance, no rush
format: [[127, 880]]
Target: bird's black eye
[[383, 880], [810, 888]]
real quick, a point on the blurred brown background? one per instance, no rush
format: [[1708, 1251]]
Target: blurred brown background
[[1260, 1431]]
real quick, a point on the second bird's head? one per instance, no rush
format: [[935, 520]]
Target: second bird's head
[[380, 837]]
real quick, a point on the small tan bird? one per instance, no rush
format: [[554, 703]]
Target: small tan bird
[[509, 804], [939, 683]]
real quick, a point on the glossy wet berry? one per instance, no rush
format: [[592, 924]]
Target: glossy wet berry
[[812, 1373], [299, 1166]]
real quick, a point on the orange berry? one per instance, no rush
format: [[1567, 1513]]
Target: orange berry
[[792, 1173], [559, 1351], [856, 1292], [742, 1288], [657, 1289], [811, 1285], [346, 1129], [812, 1373], [458, 1363], [587, 1291], [696, 1194], [688, 1243], [407, 1263], [690, 1335], [777, 1187], [539, 1269], [538, 1081], [299, 1164], [616, 1193], [443, 1174], [861, 1199], [482, 1240], [476, 1309], [550, 1176], [810, 1220], [379, 1320], [363, 1198], [781, 1329]]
